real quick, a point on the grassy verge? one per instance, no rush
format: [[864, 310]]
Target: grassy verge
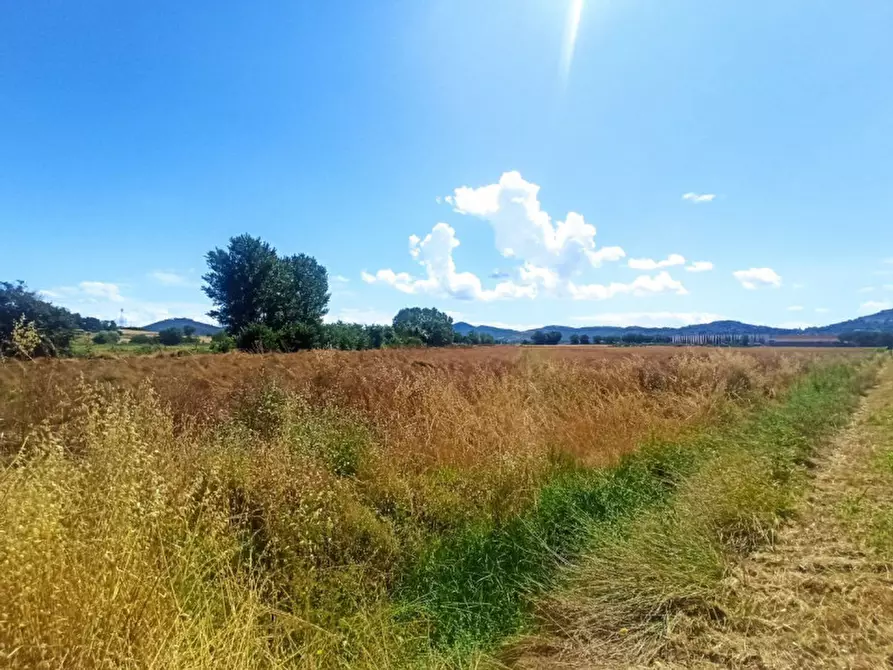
[[662, 525], [673, 558]]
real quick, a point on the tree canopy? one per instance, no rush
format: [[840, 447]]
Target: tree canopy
[[250, 284], [433, 327], [55, 325], [552, 337]]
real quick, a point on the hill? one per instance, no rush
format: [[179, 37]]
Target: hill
[[879, 322], [200, 328]]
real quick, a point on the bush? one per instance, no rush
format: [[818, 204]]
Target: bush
[[107, 337], [170, 337], [258, 338], [222, 342], [299, 336], [142, 338]]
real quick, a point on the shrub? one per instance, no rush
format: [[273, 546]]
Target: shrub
[[258, 338], [299, 336], [107, 337], [222, 342], [170, 337], [142, 338]]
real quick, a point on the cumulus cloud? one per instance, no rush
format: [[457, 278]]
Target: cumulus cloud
[[650, 264], [872, 306], [340, 279], [653, 319], [525, 231], [755, 278], [698, 197], [699, 266], [435, 254], [642, 285], [795, 308], [549, 254]]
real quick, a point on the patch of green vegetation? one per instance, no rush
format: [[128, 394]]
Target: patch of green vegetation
[[103, 345], [663, 519]]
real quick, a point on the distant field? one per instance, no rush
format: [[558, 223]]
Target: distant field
[[84, 347]]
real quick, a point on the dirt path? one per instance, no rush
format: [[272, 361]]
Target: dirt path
[[822, 596]]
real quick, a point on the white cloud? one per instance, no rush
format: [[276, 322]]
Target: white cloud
[[822, 310], [640, 286], [101, 290], [358, 315], [872, 306], [653, 319], [105, 301], [795, 308], [435, 254], [757, 277], [169, 278], [531, 274], [650, 264], [524, 231], [699, 266], [866, 289], [340, 279], [510, 326], [86, 292], [699, 197]]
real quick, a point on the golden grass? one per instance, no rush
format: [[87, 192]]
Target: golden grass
[[252, 511]]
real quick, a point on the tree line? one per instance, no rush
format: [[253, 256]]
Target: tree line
[[266, 302], [31, 325]]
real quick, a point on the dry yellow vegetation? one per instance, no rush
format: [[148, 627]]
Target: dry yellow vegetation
[[281, 511]]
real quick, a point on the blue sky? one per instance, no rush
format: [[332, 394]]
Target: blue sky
[[498, 159]]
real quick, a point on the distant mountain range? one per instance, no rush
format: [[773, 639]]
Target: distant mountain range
[[880, 322], [200, 328]]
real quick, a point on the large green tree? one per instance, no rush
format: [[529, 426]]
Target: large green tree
[[304, 291], [430, 325], [250, 284], [242, 281]]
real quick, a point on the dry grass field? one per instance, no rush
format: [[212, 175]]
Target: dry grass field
[[333, 509]]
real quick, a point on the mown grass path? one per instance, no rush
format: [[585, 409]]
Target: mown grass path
[[821, 596]]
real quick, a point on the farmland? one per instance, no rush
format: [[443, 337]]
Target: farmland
[[390, 508]]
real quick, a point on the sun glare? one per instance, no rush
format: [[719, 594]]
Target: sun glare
[[573, 24]]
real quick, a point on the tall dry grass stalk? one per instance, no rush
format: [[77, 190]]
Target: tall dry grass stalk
[[255, 512]]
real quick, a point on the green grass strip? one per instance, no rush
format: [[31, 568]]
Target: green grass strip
[[474, 587]]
